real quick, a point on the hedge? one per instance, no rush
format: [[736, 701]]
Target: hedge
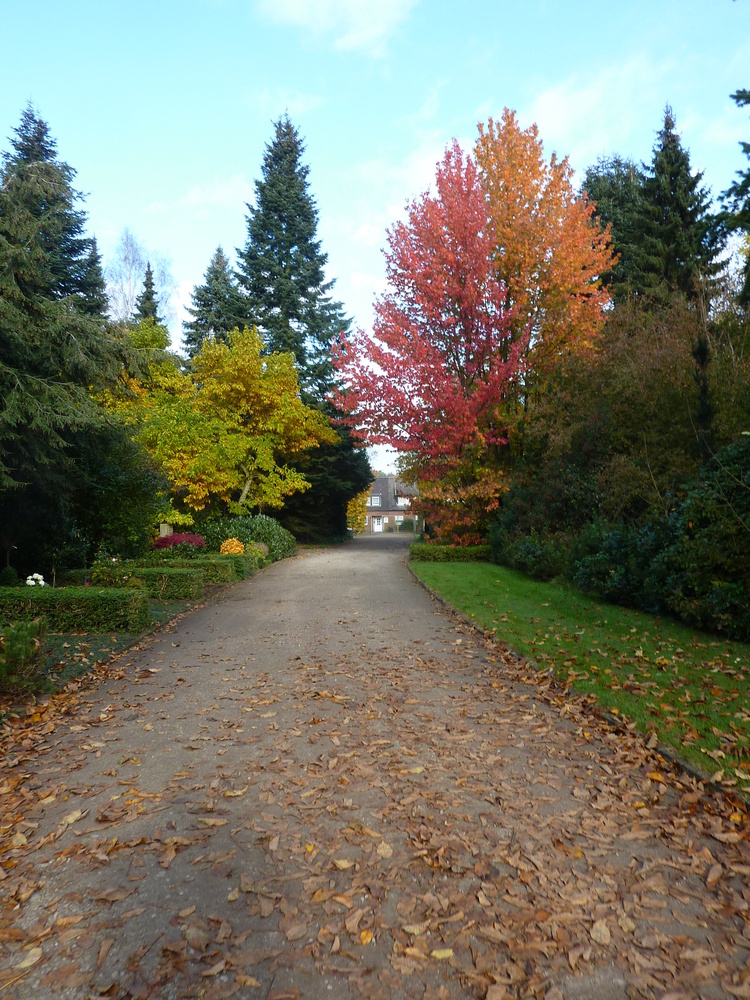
[[171, 582], [421, 552], [78, 609]]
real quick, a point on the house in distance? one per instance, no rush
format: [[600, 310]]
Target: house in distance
[[389, 506]]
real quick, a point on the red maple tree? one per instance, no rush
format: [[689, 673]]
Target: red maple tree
[[432, 378]]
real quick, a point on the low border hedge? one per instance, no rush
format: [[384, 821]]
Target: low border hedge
[[421, 552], [171, 582], [78, 609]]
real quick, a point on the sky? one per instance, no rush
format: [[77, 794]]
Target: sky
[[164, 108]]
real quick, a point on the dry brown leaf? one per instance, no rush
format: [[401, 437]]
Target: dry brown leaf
[[196, 937], [385, 850], [600, 932], [248, 981], [215, 969], [343, 863], [273, 843], [442, 953], [417, 929], [365, 936], [296, 931], [212, 821], [714, 876], [104, 951], [32, 957]]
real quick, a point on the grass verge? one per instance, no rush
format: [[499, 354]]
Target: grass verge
[[688, 688]]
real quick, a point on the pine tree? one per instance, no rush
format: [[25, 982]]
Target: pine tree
[[282, 267], [38, 182], [282, 274], [676, 243], [56, 349], [615, 185], [217, 306], [146, 306], [737, 199]]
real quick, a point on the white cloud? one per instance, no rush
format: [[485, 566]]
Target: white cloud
[[354, 25]]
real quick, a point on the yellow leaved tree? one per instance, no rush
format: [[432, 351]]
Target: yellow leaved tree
[[228, 428]]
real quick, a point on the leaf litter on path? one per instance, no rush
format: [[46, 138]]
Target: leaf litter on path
[[451, 824]]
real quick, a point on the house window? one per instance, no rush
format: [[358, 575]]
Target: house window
[[402, 501], [398, 517], [374, 501]]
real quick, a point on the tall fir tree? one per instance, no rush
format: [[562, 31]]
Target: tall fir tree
[[737, 200], [282, 275], [56, 349], [667, 239], [147, 306], [677, 242], [218, 307], [615, 185]]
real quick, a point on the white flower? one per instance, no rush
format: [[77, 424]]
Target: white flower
[[35, 580]]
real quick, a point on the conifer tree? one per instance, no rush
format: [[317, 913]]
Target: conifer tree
[[662, 228], [56, 349], [146, 306], [282, 266], [217, 306], [737, 199], [282, 274]]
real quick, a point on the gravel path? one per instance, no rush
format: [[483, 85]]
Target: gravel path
[[326, 785]]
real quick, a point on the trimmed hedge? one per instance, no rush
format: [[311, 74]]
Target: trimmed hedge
[[171, 582], [421, 552], [259, 528], [78, 609]]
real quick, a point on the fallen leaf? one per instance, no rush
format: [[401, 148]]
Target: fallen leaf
[[235, 793], [714, 875], [273, 844], [212, 821], [215, 969], [31, 959], [417, 928], [365, 936], [104, 951], [250, 981], [442, 953], [385, 850], [600, 932], [343, 863], [233, 896]]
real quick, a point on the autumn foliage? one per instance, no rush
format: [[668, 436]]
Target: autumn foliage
[[491, 278], [228, 429]]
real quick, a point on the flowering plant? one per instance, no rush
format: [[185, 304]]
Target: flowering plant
[[232, 546], [35, 580]]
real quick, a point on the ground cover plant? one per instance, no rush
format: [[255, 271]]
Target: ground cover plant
[[680, 687]]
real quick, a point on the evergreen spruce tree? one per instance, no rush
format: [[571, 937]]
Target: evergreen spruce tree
[[146, 306], [217, 306], [56, 349], [737, 199], [677, 243], [616, 186], [282, 274], [667, 239]]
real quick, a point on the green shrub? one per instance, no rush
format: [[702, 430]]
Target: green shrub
[[541, 557], [9, 577], [260, 528], [21, 652], [406, 525], [113, 573], [172, 583], [420, 552], [78, 609]]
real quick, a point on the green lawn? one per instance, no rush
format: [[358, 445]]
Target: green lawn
[[690, 688]]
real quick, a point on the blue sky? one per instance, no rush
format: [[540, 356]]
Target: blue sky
[[164, 107]]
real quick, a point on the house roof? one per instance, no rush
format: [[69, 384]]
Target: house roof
[[389, 488]]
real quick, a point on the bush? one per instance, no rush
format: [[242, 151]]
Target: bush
[[185, 545], [78, 609], [172, 583], [281, 543], [113, 573], [541, 557], [406, 525], [232, 547], [9, 577], [21, 650], [420, 552]]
